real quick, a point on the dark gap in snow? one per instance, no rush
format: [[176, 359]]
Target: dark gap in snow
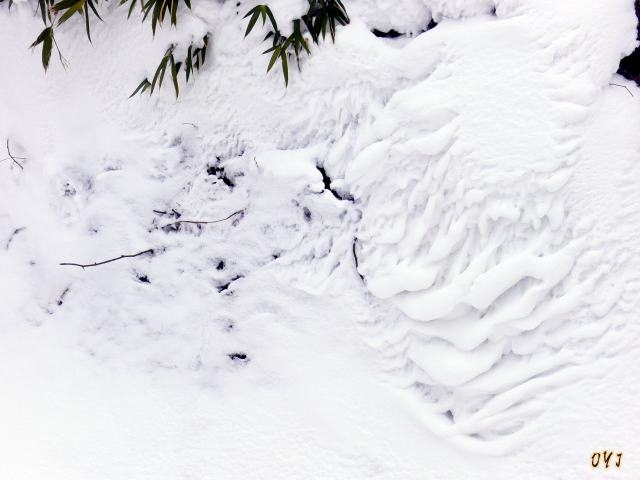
[[173, 213], [307, 214], [239, 357], [12, 236], [432, 24], [225, 286], [326, 180], [69, 190], [142, 278], [220, 265], [355, 257], [219, 172], [62, 295], [630, 66], [388, 34]]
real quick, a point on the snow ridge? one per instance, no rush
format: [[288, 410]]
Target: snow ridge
[[465, 225]]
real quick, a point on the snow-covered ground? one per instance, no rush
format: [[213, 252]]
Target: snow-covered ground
[[461, 302]]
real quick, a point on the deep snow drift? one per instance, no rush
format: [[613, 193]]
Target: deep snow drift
[[429, 267]]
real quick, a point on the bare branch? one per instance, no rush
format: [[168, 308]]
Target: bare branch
[[617, 85], [198, 222], [149, 251], [13, 158], [12, 236]]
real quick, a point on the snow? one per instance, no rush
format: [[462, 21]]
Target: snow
[[462, 304]]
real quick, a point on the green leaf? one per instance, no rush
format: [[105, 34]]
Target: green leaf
[[46, 50], [285, 68], [43, 10], [270, 49], [250, 12], [160, 72], [75, 8], [252, 22], [155, 16], [131, 7], [46, 39], [271, 18], [86, 17], [144, 85], [188, 63], [95, 11], [274, 57], [174, 75], [41, 37], [64, 5], [174, 12]]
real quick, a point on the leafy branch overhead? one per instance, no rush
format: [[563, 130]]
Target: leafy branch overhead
[[321, 17], [194, 60]]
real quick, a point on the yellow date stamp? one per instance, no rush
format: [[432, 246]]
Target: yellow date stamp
[[606, 459]]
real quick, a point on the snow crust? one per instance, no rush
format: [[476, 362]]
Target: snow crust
[[460, 300]]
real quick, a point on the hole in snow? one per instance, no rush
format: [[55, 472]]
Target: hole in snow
[[630, 66], [389, 34], [307, 214], [225, 286], [239, 357], [220, 174]]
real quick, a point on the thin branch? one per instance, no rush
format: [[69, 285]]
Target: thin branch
[[198, 222], [355, 257], [13, 158], [12, 236], [149, 251], [617, 85], [190, 123]]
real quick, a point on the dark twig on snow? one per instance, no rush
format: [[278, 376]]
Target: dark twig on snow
[[355, 257], [618, 85], [198, 222], [12, 157], [149, 251], [12, 236], [172, 213]]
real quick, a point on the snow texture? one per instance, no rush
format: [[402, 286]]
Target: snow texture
[[420, 260]]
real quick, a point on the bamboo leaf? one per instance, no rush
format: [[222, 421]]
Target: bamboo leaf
[[43, 10], [188, 63], [41, 37], [86, 18], [64, 5], [285, 68], [174, 12], [250, 12], [252, 22], [174, 74], [272, 19], [47, 45], [95, 11], [274, 57], [144, 85], [131, 7]]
